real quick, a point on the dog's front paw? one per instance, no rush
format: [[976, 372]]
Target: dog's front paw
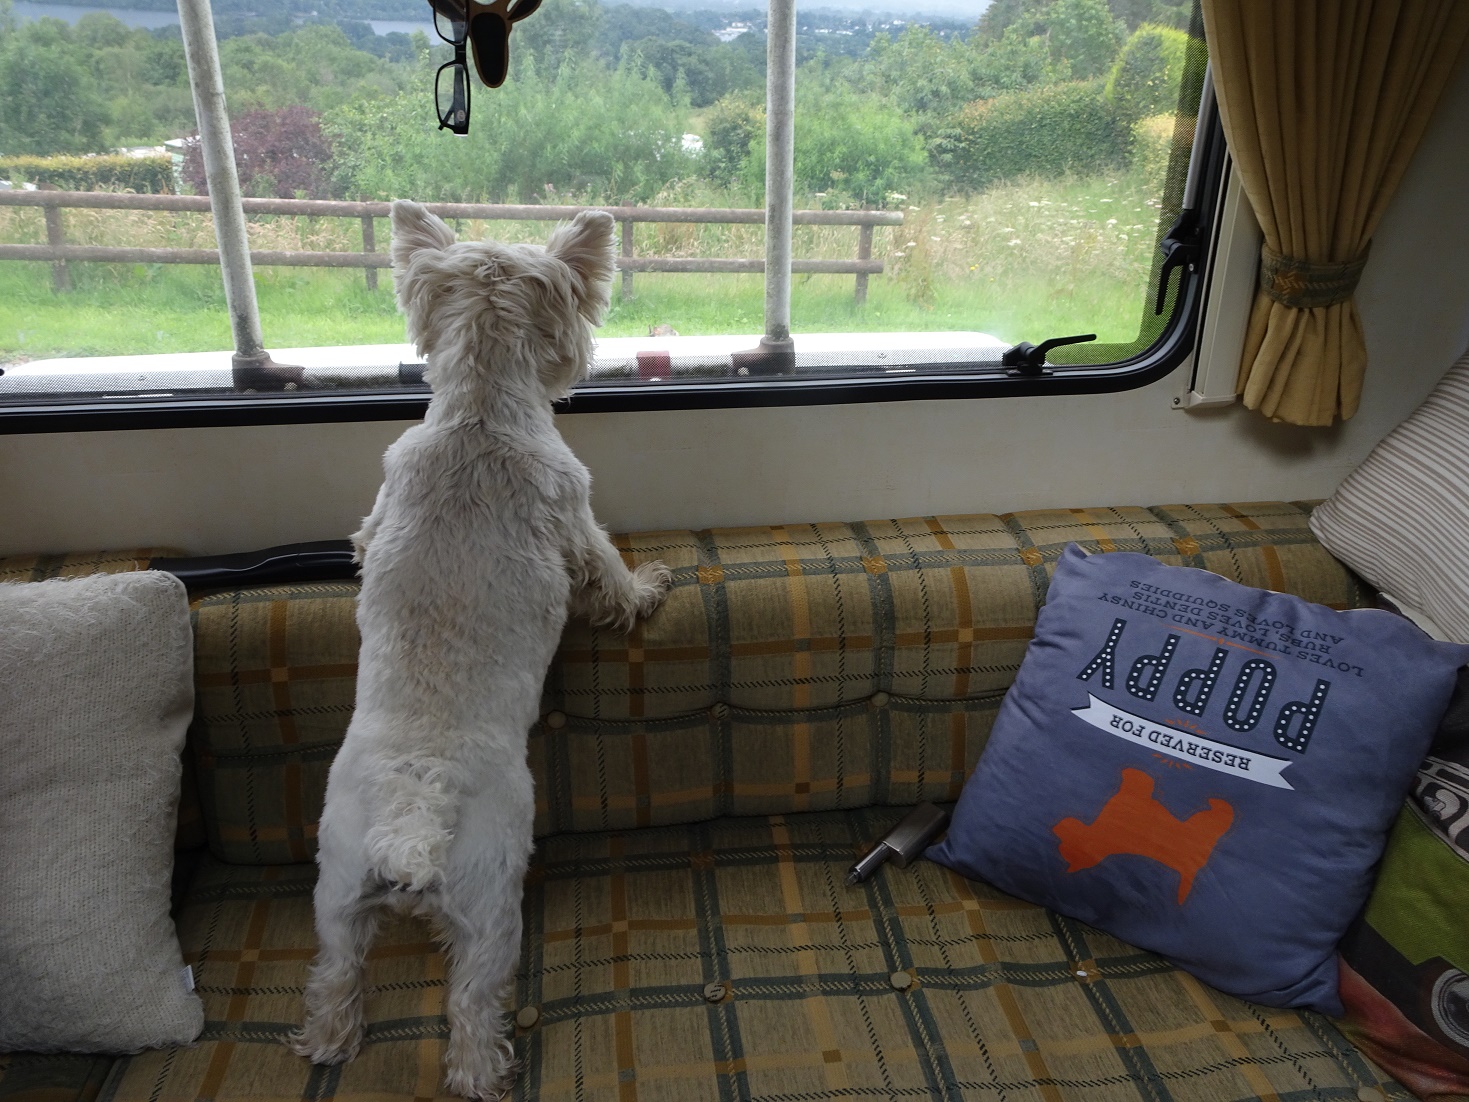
[[651, 582]]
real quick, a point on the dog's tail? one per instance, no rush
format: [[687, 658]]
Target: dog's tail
[[408, 840]]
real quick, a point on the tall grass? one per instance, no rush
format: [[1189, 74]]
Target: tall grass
[[1028, 260]]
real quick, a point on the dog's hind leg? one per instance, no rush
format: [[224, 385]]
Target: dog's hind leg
[[484, 946], [346, 919]]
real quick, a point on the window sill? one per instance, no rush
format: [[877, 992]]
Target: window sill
[[383, 382]]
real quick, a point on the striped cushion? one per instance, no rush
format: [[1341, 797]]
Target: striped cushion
[[626, 931], [1401, 519], [794, 668]]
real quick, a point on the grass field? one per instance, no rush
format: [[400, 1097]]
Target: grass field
[[1022, 262]]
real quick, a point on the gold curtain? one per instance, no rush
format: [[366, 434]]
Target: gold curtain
[[1323, 103]]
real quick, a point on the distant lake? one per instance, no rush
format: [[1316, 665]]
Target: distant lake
[[32, 9]]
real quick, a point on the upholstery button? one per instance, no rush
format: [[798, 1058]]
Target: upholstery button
[[1370, 1094], [878, 700], [901, 981], [715, 992], [719, 711], [527, 1016], [555, 720]]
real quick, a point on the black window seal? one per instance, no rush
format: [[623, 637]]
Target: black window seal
[[1174, 346]]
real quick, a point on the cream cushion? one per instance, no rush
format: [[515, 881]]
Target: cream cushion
[[96, 691], [1401, 519]]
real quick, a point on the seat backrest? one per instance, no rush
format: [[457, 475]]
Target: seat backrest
[[792, 668]]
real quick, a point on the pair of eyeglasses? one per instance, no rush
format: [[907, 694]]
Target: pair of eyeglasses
[[485, 28]]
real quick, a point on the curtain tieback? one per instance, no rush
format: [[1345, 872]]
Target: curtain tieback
[[1304, 285]]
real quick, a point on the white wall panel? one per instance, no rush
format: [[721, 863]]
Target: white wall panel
[[211, 490]]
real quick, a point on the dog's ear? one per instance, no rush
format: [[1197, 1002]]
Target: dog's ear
[[585, 246], [414, 228]]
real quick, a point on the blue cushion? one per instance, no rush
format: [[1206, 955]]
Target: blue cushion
[[1205, 770]]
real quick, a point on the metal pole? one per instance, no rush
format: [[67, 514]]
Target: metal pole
[[780, 148], [253, 367]]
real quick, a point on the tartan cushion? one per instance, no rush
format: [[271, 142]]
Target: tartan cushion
[[625, 931], [792, 668]]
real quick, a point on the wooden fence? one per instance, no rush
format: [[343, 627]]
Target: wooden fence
[[59, 253]]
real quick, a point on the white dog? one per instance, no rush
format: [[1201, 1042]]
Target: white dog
[[481, 539]]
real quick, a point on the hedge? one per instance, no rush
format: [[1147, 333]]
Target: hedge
[[1063, 128], [1152, 149], [1148, 73], [145, 175]]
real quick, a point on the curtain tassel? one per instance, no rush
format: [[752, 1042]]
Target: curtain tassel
[[1303, 285]]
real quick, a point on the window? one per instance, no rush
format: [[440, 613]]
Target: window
[[962, 184]]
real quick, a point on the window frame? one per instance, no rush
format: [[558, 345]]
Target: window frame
[[1176, 344]]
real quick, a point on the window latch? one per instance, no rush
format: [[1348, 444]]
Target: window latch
[[1026, 359], [1180, 247]]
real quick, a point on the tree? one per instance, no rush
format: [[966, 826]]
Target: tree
[[49, 99], [1017, 63], [730, 127], [559, 29], [278, 154], [584, 133], [1084, 34], [922, 73], [1146, 77], [851, 146]]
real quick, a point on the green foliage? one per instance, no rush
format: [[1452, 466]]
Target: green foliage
[[1064, 128], [584, 133], [145, 175], [1152, 148], [708, 72], [1146, 78], [49, 99], [1031, 17], [1017, 63], [1084, 34], [851, 147], [315, 67], [560, 29], [732, 128], [922, 73]]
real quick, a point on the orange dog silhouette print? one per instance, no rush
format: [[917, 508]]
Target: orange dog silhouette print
[[1133, 822]]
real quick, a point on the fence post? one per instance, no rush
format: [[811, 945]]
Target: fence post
[[60, 274], [864, 252], [369, 245], [627, 255]]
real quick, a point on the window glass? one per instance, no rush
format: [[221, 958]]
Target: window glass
[[966, 180]]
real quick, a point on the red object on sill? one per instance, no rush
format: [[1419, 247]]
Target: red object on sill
[[654, 365]]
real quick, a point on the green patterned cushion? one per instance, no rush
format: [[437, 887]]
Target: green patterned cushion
[[625, 933], [794, 668]]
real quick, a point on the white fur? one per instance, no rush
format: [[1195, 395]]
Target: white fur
[[481, 540]]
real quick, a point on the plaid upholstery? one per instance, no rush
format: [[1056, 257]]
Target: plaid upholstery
[[29, 1077], [804, 673], [40, 568], [625, 929], [794, 668]]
